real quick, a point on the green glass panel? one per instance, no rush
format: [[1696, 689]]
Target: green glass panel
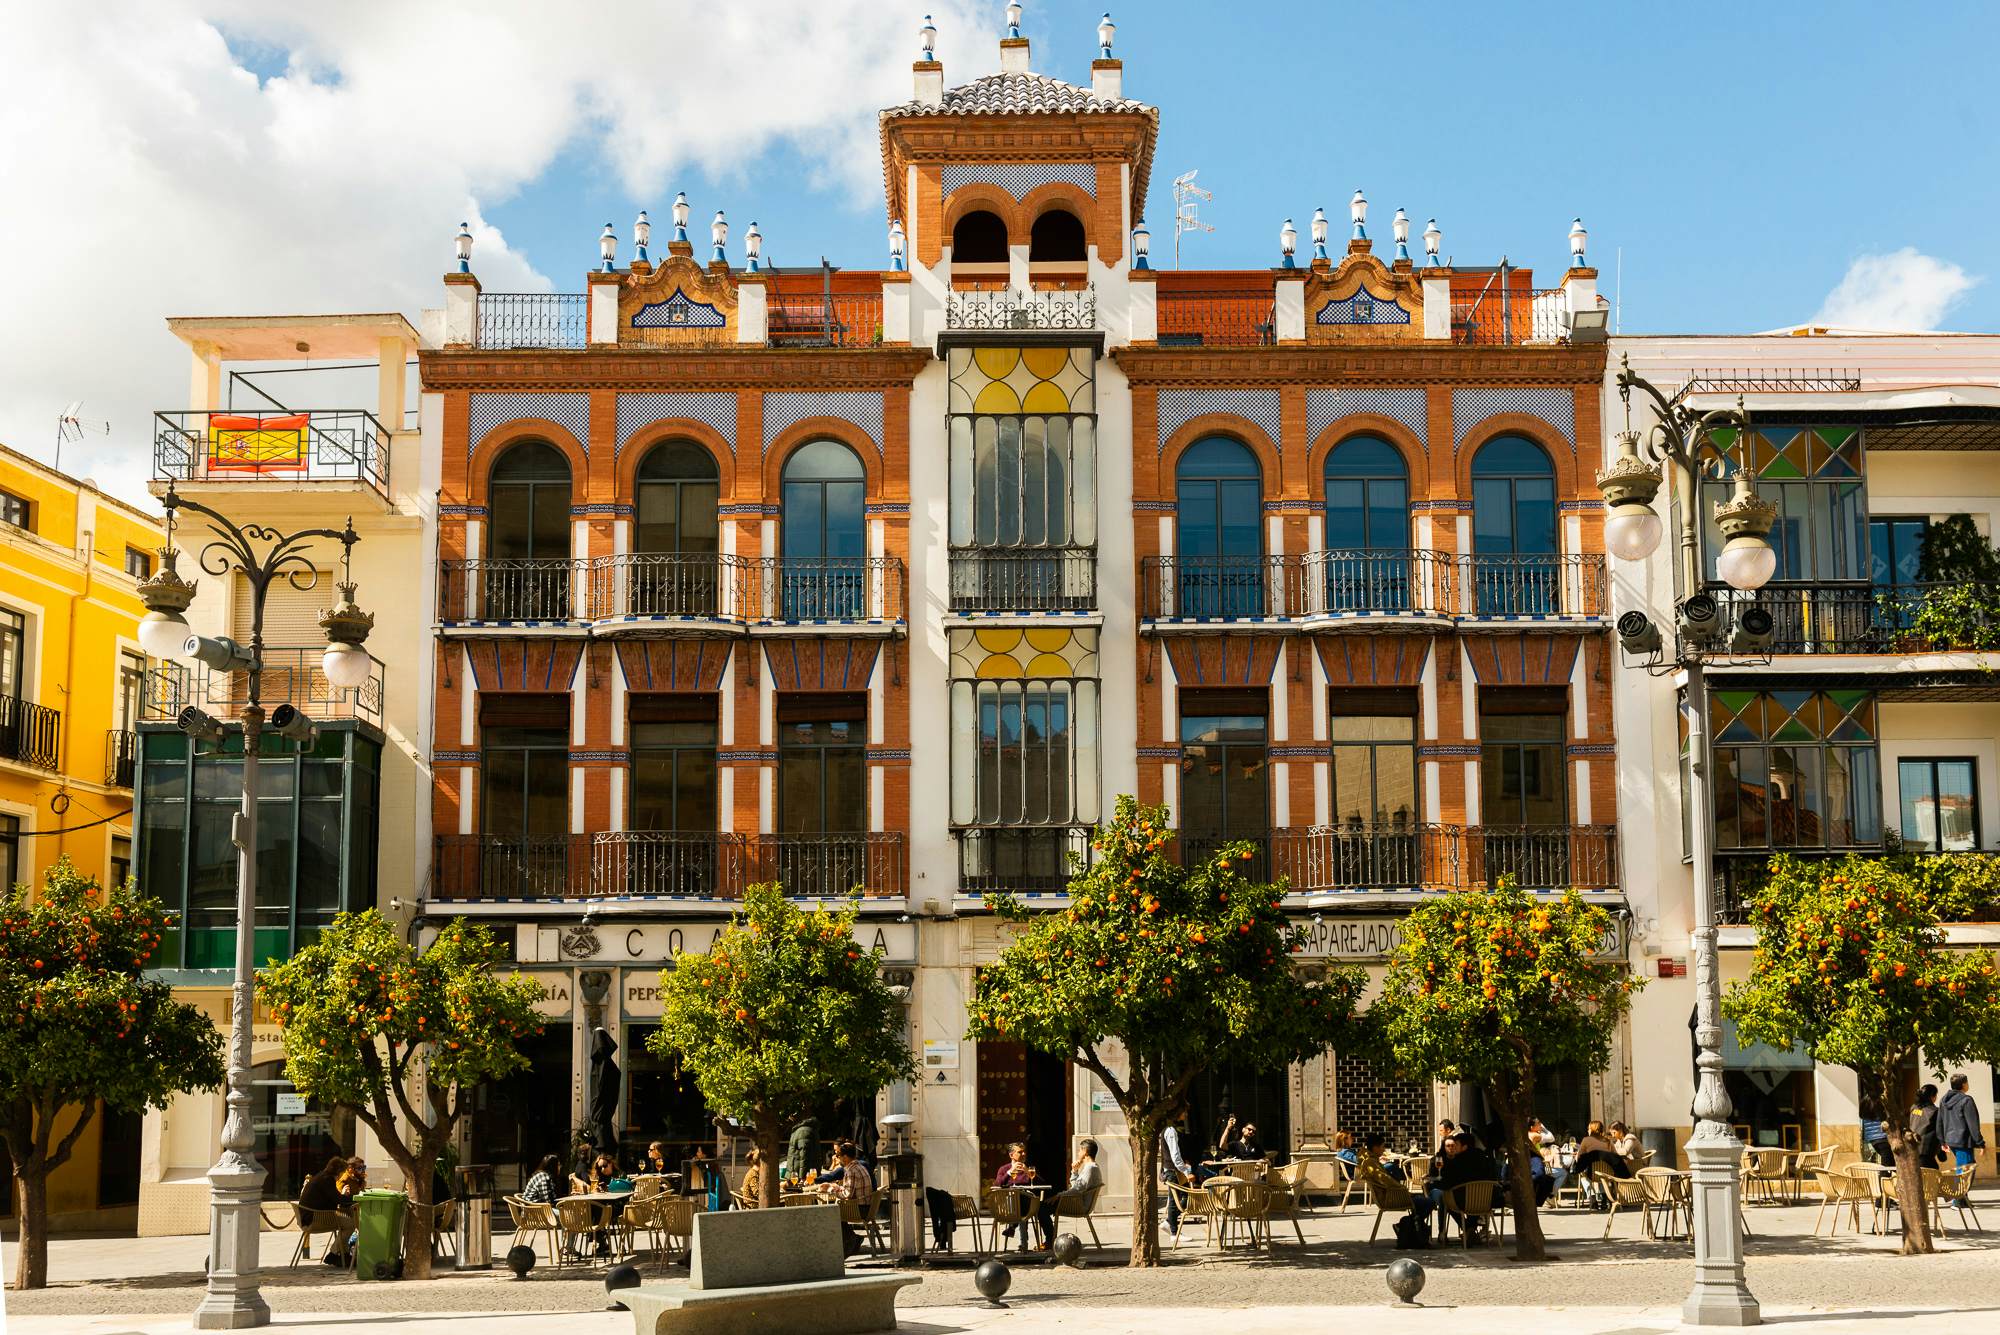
[[211, 948], [1840, 437], [1791, 730]]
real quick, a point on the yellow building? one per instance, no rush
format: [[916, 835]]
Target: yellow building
[[71, 681]]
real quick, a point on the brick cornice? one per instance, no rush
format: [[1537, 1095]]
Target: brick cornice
[[1351, 364], [757, 368]]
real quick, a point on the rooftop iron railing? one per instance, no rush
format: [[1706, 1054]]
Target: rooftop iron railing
[[291, 676], [533, 320], [1215, 319], [824, 320], [271, 448], [1511, 315]]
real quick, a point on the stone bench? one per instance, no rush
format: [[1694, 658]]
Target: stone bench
[[767, 1272]]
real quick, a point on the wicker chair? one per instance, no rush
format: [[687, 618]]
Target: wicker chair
[[578, 1225], [1387, 1195], [1664, 1197], [1081, 1207], [1235, 1201], [1621, 1192], [673, 1220], [1288, 1193], [965, 1210], [1007, 1207], [866, 1218], [444, 1225], [532, 1218], [1193, 1202], [1842, 1190], [1469, 1201], [338, 1224], [1953, 1187]]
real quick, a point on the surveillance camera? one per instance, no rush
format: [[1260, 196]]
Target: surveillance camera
[[294, 726], [201, 726], [1638, 634], [1755, 630], [220, 653], [1700, 620]]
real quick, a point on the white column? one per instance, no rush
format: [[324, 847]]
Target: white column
[[1437, 307], [753, 318]]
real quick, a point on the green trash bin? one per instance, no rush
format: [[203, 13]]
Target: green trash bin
[[378, 1248]]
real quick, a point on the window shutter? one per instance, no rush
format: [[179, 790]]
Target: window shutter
[[291, 616]]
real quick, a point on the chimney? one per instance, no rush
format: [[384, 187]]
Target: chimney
[[928, 71], [1107, 80], [1013, 55]]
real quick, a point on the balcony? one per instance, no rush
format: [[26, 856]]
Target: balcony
[[533, 320], [1517, 315], [272, 449], [1216, 320], [291, 676], [1024, 579], [1742, 872], [1008, 311], [121, 757], [1568, 587], [1856, 618], [666, 865], [1542, 857], [511, 591], [1329, 859], [1202, 590], [1373, 587], [30, 734], [824, 320], [1357, 589], [1021, 860]]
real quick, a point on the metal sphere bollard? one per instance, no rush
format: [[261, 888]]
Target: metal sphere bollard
[[993, 1279], [1406, 1279], [1067, 1249], [620, 1277], [520, 1260]]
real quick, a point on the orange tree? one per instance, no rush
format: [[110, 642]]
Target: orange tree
[[1487, 987], [401, 1037], [1150, 975], [1851, 964], [80, 1024], [785, 1012]]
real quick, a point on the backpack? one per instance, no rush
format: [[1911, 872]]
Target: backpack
[[1412, 1235]]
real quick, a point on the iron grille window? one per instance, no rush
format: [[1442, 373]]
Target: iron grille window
[[1796, 769]]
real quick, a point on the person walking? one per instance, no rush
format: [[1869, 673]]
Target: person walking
[[1174, 1166], [1924, 1127], [1958, 1126]]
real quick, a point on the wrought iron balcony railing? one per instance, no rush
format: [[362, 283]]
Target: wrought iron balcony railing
[[1856, 618], [1339, 583], [1023, 579], [1219, 588], [832, 866], [533, 320], [485, 866], [1743, 871], [1527, 588], [271, 448], [30, 734], [1543, 857], [684, 865], [643, 585], [658, 864], [1014, 310], [121, 757], [809, 590], [510, 589], [1325, 858], [817, 320], [1372, 582], [292, 676], [1022, 860], [1216, 320]]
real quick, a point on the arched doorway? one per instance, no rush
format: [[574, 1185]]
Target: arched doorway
[[1516, 568], [676, 537], [528, 573], [1219, 533], [824, 533]]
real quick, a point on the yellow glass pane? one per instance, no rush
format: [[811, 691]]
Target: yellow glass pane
[[996, 362], [1048, 639], [1045, 362], [1045, 398], [1048, 665], [1000, 667], [998, 397], [1000, 639]]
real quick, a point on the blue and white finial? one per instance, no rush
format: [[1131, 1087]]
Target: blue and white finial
[[642, 236], [463, 241], [718, 232], [681, 217], [1013, 21], [1142, 245], [1357, 208], [928, 36], [1319, 234], [607, 249], [1106, 30], [1577, 238], [753, 247], [1288, 242], [1433, 238], [1400, 225], [897, 263]]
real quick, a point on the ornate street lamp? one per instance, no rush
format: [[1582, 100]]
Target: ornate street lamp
[[1684, 440], [262, 555]]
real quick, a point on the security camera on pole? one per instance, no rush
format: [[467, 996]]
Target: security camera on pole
[[262, 555], [1685, 441]]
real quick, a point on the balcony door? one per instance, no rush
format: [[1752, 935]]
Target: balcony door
[[822, 793], [671, 813], [1219, 530], [524, 796], [825, 535], [1376, 812], [1225, 759], [15, 725], [676, 536], [1523, 788], [1516, 571], [1367, 555], [527, 573]]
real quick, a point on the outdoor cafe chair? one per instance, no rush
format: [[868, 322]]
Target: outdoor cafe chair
[[1237, 1202], [1009, 1207], [1771, 1173], [673, 1220], [647, 1186], [1194, 1203], [1082, 1207], [1288, 1191], [444, 1223], [1349, 1181], [966, 1210], [532, 1218], [579, 1225], [867, 1218], [1807, 1166], [1664, 1197], [1469, 1201], [1623, 1191], [1843, 1191], [338, 1224], [1387, 1196], [1953, 1187]]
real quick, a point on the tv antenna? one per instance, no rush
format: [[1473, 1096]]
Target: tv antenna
[[1188, 198], [71, 426]]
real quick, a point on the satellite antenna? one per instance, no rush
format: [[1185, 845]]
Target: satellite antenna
[[1188, 199], [71, 426]]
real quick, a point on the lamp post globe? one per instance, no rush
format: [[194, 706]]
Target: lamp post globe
[[163, 634], [1632, 533], [1746, 563]]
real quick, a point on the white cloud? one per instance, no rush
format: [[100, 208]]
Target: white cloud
[[1904, 291], [145, 172]]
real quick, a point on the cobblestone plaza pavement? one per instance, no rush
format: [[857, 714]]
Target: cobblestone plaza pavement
[[1625, 1285]]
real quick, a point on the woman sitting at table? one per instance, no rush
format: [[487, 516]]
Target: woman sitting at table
[[320, 1198], [1875, 1133], [352, 1182], [1594, 1151], [546, 1187], [1343, 1149], [855, 1184], [1084, 1177], [656, 1157], [753, 1181], [1624, 1141], [1016, 1172]]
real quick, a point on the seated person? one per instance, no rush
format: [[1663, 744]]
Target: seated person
[[656, 1157], [1018, 1172], [753, 1180], [1464, 1162], [546, 1186], [1084, 1177], [1595, 1152], [1624, 1143], [1228, 1144], [1544, 1163], [1372, 1149], [1246, 1144], [1343, 1148], [352, 1182], [324, 1205], [855, 1184]]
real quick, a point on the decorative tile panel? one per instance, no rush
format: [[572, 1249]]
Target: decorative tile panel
[[1470, 407], [680, 311], [715, 408], [487, 411], [1363, 308], [1181, 406], [1324, 407], [862, 407], [1018, 178]]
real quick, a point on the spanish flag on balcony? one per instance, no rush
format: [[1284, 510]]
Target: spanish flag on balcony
[[257, 444]]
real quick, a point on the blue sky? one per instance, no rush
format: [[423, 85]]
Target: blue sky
[[1742, 155]]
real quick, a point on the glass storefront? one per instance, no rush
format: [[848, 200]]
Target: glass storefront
[[293, 1135], [514, 1122]]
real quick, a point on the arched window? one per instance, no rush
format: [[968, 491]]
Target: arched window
[[1516, 569], [676, 539], [528, 573], [1218, 490], [979, 238], [1367, 555], [825, 573], [1057, 238]]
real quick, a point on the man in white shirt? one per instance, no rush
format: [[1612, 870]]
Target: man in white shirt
[[1174, 1166]]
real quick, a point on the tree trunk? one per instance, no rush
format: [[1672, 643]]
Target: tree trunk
[[1873, 1086], [770, 1160], [1145, 1190], [417, 1215], [1528, 1242], [31, 1214]]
